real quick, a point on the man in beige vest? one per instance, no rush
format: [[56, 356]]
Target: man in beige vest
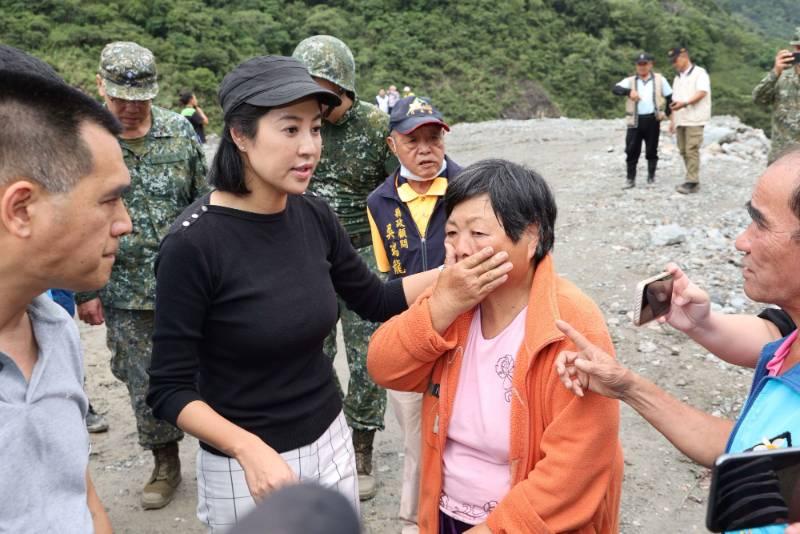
[[648, 95], [691, 110]]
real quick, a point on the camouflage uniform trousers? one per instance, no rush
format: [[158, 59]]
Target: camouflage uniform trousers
[[365, 403], [129, 338]]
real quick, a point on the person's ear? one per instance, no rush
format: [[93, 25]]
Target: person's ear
[[17, 207], [392, 146], [101, 86], [531, 235], [238, 139]]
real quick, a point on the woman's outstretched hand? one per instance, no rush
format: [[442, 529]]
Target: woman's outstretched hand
[[464, 284]]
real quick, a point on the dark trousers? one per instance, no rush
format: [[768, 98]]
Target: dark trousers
[[648, 130], [448, 525]]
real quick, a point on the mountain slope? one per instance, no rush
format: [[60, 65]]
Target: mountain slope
[[477, 59]]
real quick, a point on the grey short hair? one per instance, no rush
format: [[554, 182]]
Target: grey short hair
[[519, 196], [793, 152]]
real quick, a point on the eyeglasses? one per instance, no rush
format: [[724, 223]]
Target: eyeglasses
[[121, 102]]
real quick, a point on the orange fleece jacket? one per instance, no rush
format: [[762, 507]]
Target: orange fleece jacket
[[565, 457]]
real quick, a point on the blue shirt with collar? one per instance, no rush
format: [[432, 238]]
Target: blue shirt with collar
[[646, 106]]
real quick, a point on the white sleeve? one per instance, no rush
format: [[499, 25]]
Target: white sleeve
[[703, 81], [626, 83], [666, 90]]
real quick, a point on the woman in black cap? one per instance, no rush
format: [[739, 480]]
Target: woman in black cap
[[247, 281]]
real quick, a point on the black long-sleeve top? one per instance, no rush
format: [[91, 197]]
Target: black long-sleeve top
[[244, 302]]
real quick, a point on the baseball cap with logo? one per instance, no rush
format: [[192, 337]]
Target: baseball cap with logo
[[129, 71], [643, 57], [673, 53], [411, 112]]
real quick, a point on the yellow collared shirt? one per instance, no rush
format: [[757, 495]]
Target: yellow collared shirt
[[421, 207]]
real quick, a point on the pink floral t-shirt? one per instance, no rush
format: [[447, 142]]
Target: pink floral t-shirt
[[476, 465]]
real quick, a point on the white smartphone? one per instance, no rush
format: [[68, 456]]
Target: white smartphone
[[653, 298]]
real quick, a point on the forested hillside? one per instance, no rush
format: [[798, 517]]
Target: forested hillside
[[478, 59], [774, 18]]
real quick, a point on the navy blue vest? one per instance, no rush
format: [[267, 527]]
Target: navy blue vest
[[408, 251]]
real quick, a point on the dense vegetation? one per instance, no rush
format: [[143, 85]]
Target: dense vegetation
[[774, 18], [478, 59]]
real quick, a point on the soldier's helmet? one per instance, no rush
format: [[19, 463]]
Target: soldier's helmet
[[796, 38], [129, 71], [329, 58]]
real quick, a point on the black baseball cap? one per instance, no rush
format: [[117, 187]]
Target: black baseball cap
[[270, 81], [411, 112], [643, 57], [673, 53]]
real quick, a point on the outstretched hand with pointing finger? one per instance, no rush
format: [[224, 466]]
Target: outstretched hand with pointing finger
[[590, 368]]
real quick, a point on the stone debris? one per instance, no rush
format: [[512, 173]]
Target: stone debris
[[667, 234]]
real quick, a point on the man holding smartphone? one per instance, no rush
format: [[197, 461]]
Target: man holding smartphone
[[780, 90], [772, 411]]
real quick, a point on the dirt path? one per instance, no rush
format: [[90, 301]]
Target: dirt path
[[603, 244]]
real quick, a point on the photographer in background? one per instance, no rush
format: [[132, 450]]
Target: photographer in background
[[194, 114], [780, 90]]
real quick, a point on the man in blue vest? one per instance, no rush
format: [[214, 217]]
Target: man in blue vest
[[771, 414], [407, 219]]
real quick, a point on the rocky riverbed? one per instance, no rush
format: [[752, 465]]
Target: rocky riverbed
[[606, 241]]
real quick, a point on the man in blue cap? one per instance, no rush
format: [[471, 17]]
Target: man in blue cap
[[407, 218], [647, 104], [691, 111]]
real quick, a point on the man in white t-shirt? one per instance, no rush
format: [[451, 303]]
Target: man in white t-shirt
[[691, 110], [382, 100]]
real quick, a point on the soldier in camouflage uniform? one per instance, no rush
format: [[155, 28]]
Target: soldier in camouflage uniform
[[780, 90], [355, 160], [167, 168]]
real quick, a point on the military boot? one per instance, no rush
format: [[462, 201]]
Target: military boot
[[160, 489], [362, 443], [95, 423], [651, 171], [630, 182]]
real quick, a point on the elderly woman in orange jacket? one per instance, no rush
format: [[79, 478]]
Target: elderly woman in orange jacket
[[505, 447]]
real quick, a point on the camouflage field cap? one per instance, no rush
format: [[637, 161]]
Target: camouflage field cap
[[796, 38], [328, 58], [129, 71]]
